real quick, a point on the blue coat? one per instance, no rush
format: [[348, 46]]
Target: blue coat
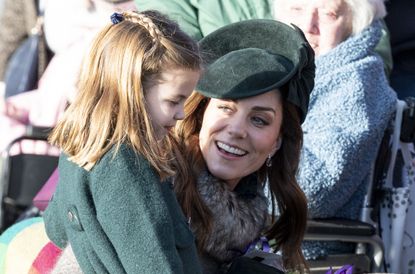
[[350, 108]]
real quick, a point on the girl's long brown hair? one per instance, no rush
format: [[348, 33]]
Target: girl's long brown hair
[[110, 109], [288, 230]]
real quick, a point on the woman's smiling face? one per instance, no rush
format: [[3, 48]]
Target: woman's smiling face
[[238, 135]]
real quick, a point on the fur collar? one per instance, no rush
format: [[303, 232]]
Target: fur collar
[[239, 216]]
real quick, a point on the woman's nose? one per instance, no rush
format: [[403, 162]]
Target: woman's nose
[[237, 128], [310, 22]]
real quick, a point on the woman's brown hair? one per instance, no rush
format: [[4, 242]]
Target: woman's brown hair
[[289, 228], [125, 59]]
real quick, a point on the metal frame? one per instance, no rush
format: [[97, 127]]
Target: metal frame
[[32, 133], [368, 240]]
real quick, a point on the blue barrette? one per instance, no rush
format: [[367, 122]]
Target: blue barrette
[[117, 18]]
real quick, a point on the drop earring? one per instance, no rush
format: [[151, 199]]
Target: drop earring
[[268, 162]]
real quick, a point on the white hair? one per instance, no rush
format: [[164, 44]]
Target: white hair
[[364, 12]]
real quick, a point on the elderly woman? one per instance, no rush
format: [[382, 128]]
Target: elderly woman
[[201, 17], [243, 126], [350, 106]]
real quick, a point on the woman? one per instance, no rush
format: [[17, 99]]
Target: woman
[[350, 106], [18, 18], [242, 128]]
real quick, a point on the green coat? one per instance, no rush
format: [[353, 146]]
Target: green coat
[[200, 17], [119, 218]]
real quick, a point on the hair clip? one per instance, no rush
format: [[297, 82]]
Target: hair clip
[[117, 18]]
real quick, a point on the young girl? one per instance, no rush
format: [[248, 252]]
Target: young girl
[[111, 205]]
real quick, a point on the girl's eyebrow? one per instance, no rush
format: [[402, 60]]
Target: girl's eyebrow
[[179, 97]]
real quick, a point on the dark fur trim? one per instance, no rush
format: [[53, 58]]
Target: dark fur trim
[[239, 217]]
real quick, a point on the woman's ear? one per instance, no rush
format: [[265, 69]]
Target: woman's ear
[[279, 143], [277, 146]]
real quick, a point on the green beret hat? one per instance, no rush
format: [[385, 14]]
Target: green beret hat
[[252, 57]]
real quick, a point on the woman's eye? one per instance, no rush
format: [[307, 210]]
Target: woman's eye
[[330, 15], [296, 9], [224, 108], [258, 121]]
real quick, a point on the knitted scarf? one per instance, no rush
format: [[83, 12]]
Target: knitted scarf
[[350, 107]]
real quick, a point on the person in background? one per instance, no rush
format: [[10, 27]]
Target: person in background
[[243, 129], [69, 37], [63, 28], [112, 206], [19, 19], [201, 17], [350, 106], [1, 5], [400, 21]]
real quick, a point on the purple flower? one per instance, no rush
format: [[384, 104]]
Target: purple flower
[[346, 269]]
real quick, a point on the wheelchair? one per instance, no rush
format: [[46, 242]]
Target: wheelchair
[[365, 233], [22, 176]]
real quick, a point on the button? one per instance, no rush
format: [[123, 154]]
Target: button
[[73, 218], [70, 216]]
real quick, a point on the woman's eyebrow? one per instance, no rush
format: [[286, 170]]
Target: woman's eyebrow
[[259, 108]]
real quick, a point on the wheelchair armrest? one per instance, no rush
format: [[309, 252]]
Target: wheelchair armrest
[[408, 121], [340, 227], [32, 133], [346, 230]]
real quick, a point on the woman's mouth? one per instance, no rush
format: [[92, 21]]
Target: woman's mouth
[[230, 149]]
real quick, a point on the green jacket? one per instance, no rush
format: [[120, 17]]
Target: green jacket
[[200, 17], [119, 218]]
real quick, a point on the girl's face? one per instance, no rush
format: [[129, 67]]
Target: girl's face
[[165, 100], [237, 136]]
